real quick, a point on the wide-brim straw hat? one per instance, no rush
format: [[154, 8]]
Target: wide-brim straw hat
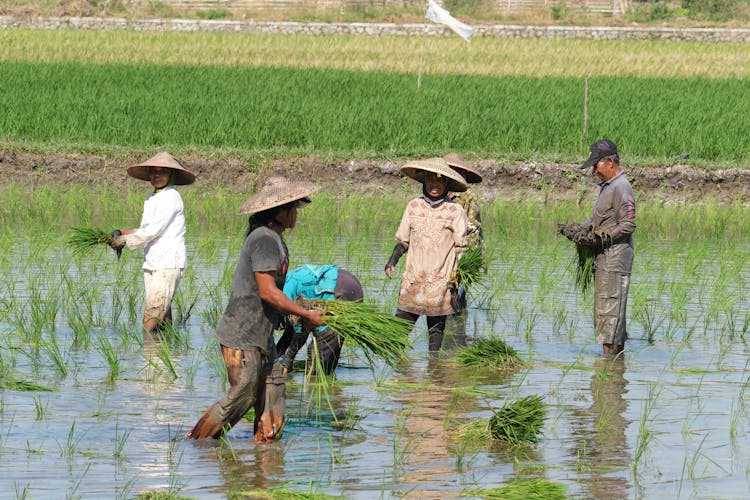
[[278, 191], [467, 171], [417, 168], [182, 176]]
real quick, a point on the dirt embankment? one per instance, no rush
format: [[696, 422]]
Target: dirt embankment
[[517, 181]]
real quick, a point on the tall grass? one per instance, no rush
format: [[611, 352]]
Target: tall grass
[[375, 114]]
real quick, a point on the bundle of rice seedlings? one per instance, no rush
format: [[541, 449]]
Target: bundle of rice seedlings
[[519, 422], [471, 266], [585, 267], [82, 239], [490, 352], [524, 489], [377, 333]]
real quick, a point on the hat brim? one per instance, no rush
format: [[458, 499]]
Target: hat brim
[[417, 169], [163, 159], [279, 193], [467, 172], [471, 176], [182, 177], [593, 160]]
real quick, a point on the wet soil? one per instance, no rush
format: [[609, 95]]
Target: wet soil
[[519, 180]]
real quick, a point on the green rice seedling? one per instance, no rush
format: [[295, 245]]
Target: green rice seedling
[[377, 333], [72, 492], [524, 489], [183, 307], [79, 327], [285, 492], [22, 385], [489, 352], [319, 387], [226, 450], [215, 307], [471, 266], [69, 448], [519, 422], [83, 239], [23, 493], [164, 353], [121, 438], [40, 408], [645, 435], [104, 346], [57, 357], [584, 262], [474, 433], [646, 317]]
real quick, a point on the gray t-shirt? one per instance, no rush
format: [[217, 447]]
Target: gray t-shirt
[[248, 322]]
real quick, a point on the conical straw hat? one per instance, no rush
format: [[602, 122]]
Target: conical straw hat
[[416, 169], [276, 192], [182, 176], [462, 167]]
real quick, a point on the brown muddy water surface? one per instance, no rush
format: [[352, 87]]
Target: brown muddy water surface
[[667, 421]]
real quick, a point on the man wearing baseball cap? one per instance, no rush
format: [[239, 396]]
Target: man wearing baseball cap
[[609, 231]]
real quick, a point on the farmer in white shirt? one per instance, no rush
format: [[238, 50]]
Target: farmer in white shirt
[[161, 233]]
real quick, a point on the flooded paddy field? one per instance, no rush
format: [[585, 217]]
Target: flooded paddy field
[[91, 409]]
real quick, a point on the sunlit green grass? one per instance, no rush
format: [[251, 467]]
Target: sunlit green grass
[[277, 111]]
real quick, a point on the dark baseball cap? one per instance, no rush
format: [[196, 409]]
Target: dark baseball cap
[[600, 149]]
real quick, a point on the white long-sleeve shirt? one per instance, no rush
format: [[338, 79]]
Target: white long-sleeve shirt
[[162, 231]]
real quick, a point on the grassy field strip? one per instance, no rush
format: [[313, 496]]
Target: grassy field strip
[[483, 56], [368, 114]]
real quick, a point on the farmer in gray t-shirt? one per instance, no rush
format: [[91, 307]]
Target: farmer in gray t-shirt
[[609, 231], [256, 305]]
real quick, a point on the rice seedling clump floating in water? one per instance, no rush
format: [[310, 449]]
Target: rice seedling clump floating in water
[[519, 422], [524, 489], [490, 352]]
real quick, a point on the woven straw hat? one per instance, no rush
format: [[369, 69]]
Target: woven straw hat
[[276, 192], [182, 176], [462, 167], [416, 169]]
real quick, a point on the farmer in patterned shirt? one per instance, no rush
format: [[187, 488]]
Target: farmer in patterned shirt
[[432, 233]]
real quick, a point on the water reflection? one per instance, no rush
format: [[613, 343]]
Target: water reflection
[[425, 456], [606, 452]]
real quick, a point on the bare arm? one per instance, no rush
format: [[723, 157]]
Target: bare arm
[[270, 294]]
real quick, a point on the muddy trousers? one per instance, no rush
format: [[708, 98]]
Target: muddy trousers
[[610, 304], [254, 381], [435, 327]]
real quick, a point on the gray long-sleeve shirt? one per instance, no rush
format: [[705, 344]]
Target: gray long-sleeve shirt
[[614, 211]]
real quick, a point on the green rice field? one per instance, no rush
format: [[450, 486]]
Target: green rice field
[[58, 90]]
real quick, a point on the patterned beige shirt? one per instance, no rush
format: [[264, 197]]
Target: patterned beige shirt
[[434, 236]]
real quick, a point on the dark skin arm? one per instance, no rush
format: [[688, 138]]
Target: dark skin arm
[[270, 294]]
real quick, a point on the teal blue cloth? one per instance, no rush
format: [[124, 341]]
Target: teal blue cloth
[[312, 282]]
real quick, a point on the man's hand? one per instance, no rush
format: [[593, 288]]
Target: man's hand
[[314, 318], [588, 239], [571, 231], [119, 239]]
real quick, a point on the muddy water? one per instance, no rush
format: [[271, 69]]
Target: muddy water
[[667, 421]]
